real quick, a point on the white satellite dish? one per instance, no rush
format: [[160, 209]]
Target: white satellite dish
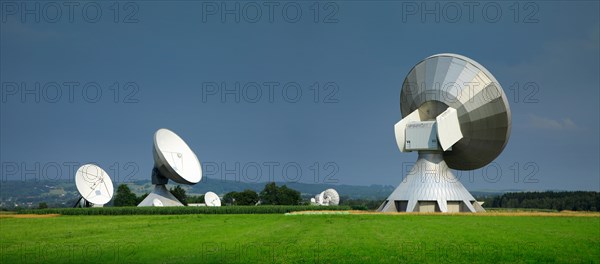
[[331, 197], [212, 199], [173, 160], [456, 115], [319, 198], [94, 186], [327, 197]]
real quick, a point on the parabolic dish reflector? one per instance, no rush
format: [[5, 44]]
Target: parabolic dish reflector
[[331, 197], [94, 184], [212, 199], [450, 80], [319, 198], [174, 159]]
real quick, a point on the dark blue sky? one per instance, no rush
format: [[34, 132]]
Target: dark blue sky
[[164, 62]]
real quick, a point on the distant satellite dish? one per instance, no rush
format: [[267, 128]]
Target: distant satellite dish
[[327, 197], [174, 160], [331, 197], [94, 185], [212, 199], [319, 198], [456, 115]]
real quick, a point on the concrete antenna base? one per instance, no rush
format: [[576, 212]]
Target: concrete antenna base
[[160, 193]]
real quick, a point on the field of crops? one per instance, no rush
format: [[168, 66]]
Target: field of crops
[[181, 210], [297, 238]]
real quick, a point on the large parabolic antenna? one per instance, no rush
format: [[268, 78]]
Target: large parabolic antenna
[[173, 160], [456, 115], [94, 186]]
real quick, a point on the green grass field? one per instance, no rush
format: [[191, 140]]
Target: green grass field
[[300, 239]]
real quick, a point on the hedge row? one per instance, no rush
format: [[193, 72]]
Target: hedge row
[[263, 209]]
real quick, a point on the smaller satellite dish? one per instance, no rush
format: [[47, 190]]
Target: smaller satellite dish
[[212, 199], [157, 202], [94, 184], [331, 197]]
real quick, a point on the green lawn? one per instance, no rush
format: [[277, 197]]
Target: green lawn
[[300, 239]]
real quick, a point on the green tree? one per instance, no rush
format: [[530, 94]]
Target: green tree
[[247, 197], [42, 205], [195, 199], [125, 197], [229, 198], [269, 194], [283, 195], [179, 193], [287, 196]]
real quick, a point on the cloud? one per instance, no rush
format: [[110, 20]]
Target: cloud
[[551, 124]]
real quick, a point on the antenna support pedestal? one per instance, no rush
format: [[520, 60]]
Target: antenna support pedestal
[[158, 178], [430, 186], [162, 194]]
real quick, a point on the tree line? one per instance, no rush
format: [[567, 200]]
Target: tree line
[[573, 201], [270, 195], [283, 195]]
